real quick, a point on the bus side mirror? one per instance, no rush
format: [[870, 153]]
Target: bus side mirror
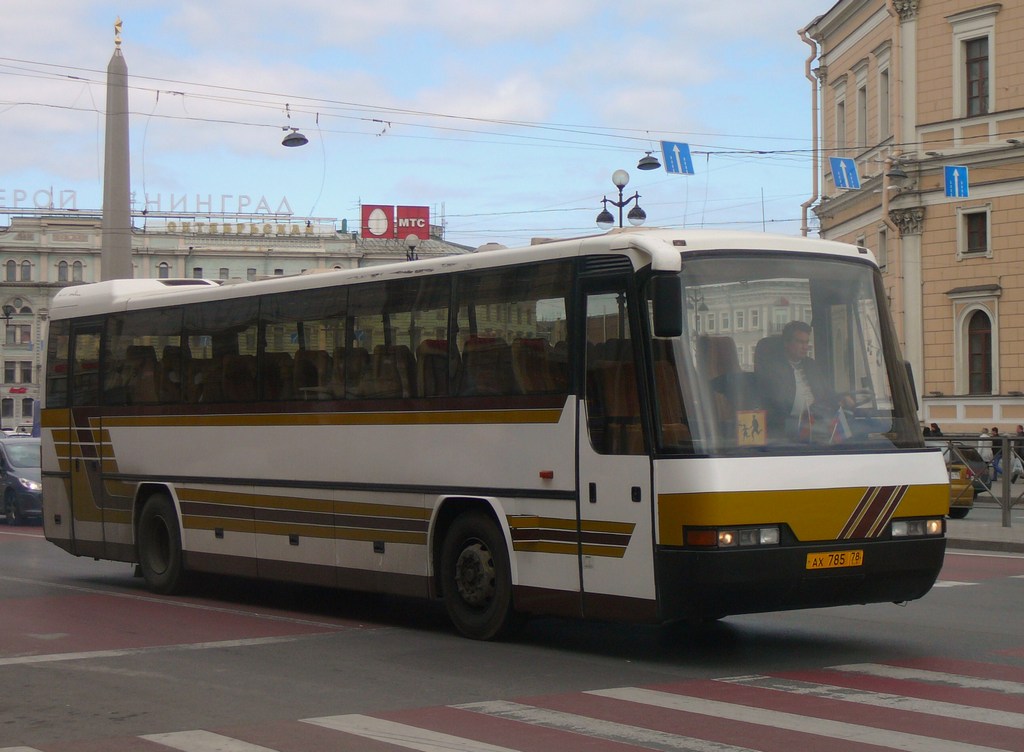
[[668, 305]]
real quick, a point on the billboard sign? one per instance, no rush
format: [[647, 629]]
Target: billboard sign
[[381, 221]]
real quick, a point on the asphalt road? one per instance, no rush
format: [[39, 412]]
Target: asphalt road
[[91, 661]]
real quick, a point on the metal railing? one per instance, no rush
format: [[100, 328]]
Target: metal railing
[[996, 453]]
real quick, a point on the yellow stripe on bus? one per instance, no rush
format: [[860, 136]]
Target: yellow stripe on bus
[[812, 514]]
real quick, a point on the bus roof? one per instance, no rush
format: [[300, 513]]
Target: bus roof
[[660, 249]]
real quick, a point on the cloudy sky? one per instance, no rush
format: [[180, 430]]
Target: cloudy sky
[[506, 118]]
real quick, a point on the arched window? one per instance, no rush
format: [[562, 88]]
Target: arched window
[[163, 270], [26, 271], [12, 271], [76, 272], [62, 271], [979, 353]]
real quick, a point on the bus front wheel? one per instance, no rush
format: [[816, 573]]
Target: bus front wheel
[[476, 577], [159, 545]]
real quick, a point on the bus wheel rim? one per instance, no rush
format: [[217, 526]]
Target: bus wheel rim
[[474, 575]]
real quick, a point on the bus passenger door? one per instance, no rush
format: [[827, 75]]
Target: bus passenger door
[[83, 447], [614, 474]]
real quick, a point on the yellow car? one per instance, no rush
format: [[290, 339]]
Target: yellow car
[[961, 490]]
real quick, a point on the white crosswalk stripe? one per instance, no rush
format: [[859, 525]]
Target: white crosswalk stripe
[[933, 677], [402, 735], [885, 738], [203, 741], [596, 728], [884, 700]]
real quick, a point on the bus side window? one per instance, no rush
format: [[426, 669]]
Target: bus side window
[[674, 427], [57, 364], [613, 402]]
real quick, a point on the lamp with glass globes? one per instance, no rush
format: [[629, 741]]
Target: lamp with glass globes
[[636, 215]]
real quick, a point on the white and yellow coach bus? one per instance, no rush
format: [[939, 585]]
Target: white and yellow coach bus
[[584, 427]]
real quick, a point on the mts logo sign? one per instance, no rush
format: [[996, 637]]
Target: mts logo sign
[[380, 221]]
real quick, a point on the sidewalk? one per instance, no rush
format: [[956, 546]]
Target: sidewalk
[[985, 532]]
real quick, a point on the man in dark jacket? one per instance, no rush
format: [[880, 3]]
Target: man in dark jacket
[[796, 391]]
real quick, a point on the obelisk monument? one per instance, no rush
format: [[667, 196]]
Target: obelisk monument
[[116, 254]]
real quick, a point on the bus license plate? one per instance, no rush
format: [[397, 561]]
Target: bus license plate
[[835, 559]]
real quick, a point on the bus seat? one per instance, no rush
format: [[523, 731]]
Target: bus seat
[[618, 406], [140, 367], [391, 373], [559, 366], [311, 375], [172, 373], [486, 367], [718, 362], [277, 371], [531, 365], [667, 385], [350, 365], [432, 368], [767, 350], [238, 378], [204, 380]]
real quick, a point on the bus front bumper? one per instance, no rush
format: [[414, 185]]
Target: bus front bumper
[[709, 584]]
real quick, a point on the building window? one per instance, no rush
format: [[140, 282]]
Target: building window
[[979, 353], [976, 76], [26, 271], [974, 35], [884, 127], [250, 274], [10, 370], [883, 247], [223, 273], [197, 272], [278, 272], [163, 270], [25, 368], [862, 116], [841, 127], [738, 321], [76, 271], [974, 232], [62, 271], [12, 271], [19, 334], [7, 408]]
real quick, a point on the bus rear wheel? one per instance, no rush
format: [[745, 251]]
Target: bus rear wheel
[[159, 545], [476, 578]]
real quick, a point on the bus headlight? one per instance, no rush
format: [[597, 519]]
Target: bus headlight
[[732, 537], [916, 528]]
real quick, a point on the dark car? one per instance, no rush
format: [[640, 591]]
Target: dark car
[[20, 480]]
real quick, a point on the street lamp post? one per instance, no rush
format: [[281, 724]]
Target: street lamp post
[[636, 216], [411, 242]]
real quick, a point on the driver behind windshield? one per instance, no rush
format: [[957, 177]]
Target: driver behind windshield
[[797, 393]]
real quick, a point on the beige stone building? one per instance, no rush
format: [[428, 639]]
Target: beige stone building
[[922, 94]]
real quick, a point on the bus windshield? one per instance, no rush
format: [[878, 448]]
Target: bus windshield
[[782, 353]]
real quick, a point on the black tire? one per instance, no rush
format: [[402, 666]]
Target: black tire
[[958, 513], [476, 580], [11, 511], [159, 545]]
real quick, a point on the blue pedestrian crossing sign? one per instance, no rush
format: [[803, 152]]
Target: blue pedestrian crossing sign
[[844, 173], [677, 158], [956, 182]]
